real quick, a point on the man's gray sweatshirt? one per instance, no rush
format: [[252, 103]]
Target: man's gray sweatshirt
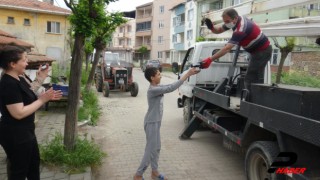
[[155, 100]]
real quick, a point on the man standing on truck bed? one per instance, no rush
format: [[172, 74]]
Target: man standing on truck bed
[[248, 35]]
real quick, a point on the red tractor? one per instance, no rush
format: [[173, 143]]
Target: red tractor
[[113, 74]]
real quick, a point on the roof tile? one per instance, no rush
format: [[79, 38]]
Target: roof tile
[[33, 5]]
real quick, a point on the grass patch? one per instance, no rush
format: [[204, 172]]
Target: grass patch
[[298, 79], [85, 154], [90, 107]]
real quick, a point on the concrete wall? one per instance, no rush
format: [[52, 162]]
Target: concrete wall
[[308, 62]]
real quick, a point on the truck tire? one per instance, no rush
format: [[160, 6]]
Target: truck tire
[[106, 89], [134, 89], [187, 111], [98, 80], [260, 155]]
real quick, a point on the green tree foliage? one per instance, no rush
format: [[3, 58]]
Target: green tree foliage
[[102, 36], [86, 17], [143, 50]]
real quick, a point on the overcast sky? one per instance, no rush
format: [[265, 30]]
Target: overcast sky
[[120, 5]]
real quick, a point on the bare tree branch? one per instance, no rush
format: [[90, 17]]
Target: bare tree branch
[[69, 5]]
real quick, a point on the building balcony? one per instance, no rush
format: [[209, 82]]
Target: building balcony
[[144, 32], [179, 28], [138, 46], [178, 46], [242, 9], [143, 18], [180, 10], [303, 12]]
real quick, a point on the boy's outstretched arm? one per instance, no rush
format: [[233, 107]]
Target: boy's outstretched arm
[[171, 87], [191, 72]]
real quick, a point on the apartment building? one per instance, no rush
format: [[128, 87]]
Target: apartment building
[[161, 26], [143, 31], [39, 23], [183, 29], [123, 40]]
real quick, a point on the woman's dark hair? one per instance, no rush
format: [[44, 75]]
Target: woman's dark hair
[[10, 54], [232, 13], [150, 72]]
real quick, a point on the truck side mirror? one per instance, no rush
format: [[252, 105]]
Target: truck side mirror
[[175, 67]]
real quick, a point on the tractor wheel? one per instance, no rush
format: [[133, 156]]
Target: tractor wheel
[[98, 80], [106, 89], [260, 155], [134, 89], [187, 111]]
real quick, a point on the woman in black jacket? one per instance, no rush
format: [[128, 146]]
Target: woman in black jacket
[[18, 104]]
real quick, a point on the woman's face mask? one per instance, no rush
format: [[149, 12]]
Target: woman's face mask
[[230, 25]]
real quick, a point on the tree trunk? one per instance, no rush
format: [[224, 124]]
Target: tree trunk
[[70, 130], [93, 68], [284, 54], [87, 61]]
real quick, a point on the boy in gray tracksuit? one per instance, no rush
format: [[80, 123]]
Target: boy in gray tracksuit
[[152, 120]]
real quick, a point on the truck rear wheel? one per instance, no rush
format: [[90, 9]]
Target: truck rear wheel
[[259, 157], [134, 89], [187, 111], [98, 80], [106, 89]]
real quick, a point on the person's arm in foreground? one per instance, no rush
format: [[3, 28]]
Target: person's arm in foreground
[[19, 111]]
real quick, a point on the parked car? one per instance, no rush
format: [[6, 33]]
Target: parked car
[[151, 63]]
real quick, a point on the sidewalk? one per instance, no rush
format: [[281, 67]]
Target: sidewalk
[[49, 122]]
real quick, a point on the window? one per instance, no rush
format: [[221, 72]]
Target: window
[[174, 38], [121, 42], [235, 2], [53, 27], [26, 22], [10, 20], [159, 54], [176, 21], [275, 56], [121, 29], [189, 35], [129, 42], [129, 28], [179, 20], [161, 9], [161, 24], [190, 15], [217, 5], [160, 39], [144, 26]]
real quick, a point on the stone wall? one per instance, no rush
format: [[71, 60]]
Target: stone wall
[[308, 62]]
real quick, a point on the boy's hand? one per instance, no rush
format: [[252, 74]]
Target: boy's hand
[[193, 71]]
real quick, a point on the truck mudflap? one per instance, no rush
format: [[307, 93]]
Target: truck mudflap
[[215, 121]]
